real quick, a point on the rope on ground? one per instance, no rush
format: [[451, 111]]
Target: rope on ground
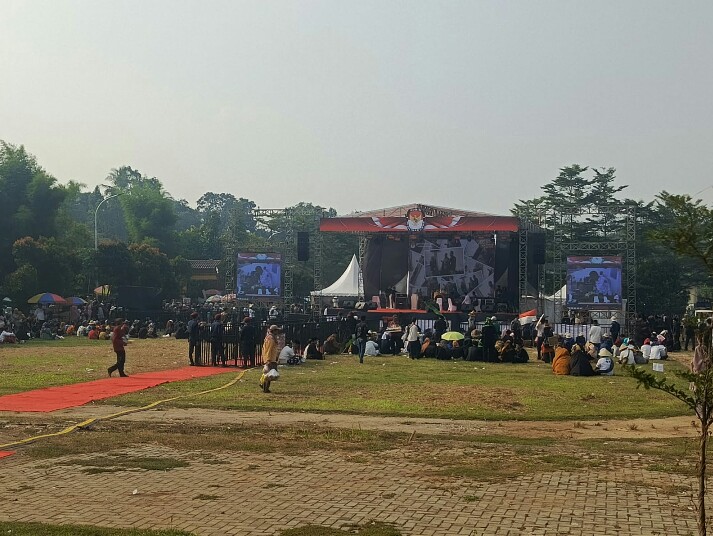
[[93, 420]]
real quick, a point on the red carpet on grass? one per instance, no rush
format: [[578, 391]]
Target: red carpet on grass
[[78, 394]]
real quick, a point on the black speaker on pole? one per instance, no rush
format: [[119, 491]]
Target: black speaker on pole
[[537, 248], [302, 246]]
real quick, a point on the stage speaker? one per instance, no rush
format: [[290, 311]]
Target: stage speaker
[[537, 248], [302, 246], [348, 304]]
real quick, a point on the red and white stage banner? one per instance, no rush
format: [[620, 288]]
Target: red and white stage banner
[[427, 224]]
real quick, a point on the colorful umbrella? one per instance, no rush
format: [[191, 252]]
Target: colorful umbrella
[[229, 297], [103, 290], [214, 299], [47, 298], [74, 300], [452, 336], [211, 292]]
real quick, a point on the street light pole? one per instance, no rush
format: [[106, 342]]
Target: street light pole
[[96, 212]]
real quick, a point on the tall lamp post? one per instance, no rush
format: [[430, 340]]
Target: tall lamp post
[[96, 212], [96, 239]]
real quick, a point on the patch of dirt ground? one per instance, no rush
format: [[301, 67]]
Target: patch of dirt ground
[[613, 429]]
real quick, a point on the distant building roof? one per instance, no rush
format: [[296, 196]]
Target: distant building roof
[[204, 264], [428, 210]]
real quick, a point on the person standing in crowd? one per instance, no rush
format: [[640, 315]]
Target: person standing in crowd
[[193, 328], [118, 343], [247, 341], [412, 344], [689, 327], [362, 334], [540, 328], [216, 341], [614, 329], [595, 334]]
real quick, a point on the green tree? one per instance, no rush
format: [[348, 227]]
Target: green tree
[[699, 399], [148, 209], [33, 201], [687, 230]]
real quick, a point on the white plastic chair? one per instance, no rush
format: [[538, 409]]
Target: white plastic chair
[[451, 306], [439, 301]]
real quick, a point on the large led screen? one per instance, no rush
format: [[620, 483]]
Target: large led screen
[[259, 274], [457, 267], [593, 282]]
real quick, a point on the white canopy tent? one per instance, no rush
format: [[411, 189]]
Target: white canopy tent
[[346, 285]]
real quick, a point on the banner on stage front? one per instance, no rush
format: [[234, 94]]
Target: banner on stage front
[[258, 274], [593, 282]]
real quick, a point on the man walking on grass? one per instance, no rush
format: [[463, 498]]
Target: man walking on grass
[[118, 343]]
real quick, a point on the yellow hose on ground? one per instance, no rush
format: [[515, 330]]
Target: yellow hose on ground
[[86, 423]]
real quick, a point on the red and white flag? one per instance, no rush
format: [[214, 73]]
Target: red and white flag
[[528, 317]]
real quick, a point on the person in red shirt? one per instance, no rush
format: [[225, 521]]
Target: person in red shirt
[[118, 343]]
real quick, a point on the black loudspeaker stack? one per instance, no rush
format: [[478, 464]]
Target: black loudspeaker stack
[[302, 246], [537, 248]]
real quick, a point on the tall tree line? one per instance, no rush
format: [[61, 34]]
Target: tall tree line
[[145, 235]]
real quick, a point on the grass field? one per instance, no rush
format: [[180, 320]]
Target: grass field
[[38, 363], [382, 386]]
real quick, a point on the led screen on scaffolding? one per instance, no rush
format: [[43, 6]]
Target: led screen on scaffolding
[[259, 274], [593, 282]]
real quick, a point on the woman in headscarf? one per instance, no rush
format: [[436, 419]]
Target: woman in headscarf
[[270, 353]]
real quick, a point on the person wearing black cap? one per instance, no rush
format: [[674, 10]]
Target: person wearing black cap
[[193, 334]]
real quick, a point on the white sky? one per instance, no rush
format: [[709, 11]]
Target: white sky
[[362, 104]]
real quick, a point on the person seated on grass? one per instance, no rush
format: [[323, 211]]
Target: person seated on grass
[[93, 334], [83, 329], [287, 355], [579, 364], [591, 350], [105, 334], [331, 345], [506, 350], [646, 349], [547, 352], [475, 353], [7, 336], [312, 350], [605, 363], [521, 355], [134, 329], [428, 348], [457, 350], [151, 331], [607, 342], [658, 351], [443, 353], [372, 345], [71, 329], [181, 331], [561, 360]]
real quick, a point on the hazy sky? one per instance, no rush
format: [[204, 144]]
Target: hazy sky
[[361, 104]]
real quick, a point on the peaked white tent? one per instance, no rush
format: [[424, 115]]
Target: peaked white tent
[[346, 285]]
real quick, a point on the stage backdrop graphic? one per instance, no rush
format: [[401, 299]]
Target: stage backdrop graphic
[[456, 266], [593, 282], [259, 274]]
